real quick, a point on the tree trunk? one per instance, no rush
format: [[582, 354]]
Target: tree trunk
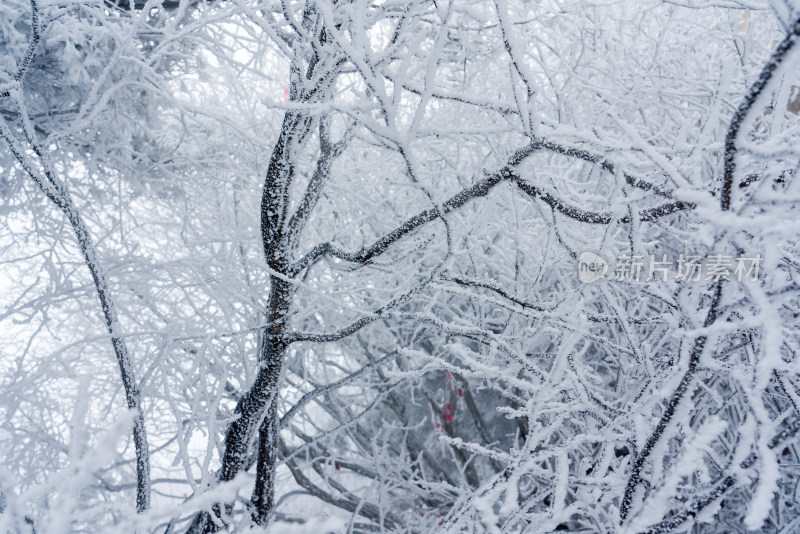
[[257, 408]]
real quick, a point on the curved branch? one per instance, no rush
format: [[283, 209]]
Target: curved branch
[[484, 284], [367, 510], [169, 5], [311, 395], [33, 44], [328, 154], [747, 104], [482, 188], [358, 324], [55, 191], [605, 164], [651, 214], [591, 217], [456, 97], [597, 217], [671, 523], [671, 407], [365, 254]]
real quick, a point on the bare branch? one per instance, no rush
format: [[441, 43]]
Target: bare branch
[[671, 407], [33, 44], [311, 395], [58, 194], [349, 503], [691, 511], [479, 189], [747, 104], [603, 162]]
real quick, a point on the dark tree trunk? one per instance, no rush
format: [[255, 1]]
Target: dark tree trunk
[[256, 409], [264, 490]]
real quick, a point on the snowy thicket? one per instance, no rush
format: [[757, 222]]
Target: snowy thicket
[[483, 266]]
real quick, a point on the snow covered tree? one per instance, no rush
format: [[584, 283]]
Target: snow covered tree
[[370, 292], [78, 106]]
